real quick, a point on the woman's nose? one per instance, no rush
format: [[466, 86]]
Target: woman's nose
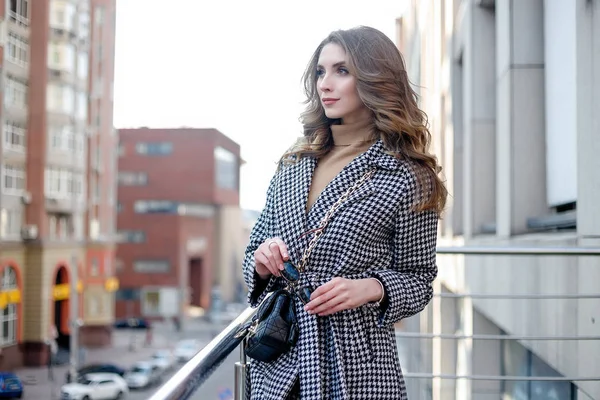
[[325, 83]]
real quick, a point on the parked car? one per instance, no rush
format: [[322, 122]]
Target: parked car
[[186, 349], [142, 375], [97, 368], [163, 359], [95, 387], [132, 323], [10, 385]]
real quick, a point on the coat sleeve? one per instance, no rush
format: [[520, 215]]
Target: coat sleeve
[[408, 281], [263, 229]]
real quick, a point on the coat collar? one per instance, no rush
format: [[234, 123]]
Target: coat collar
[[377, 156]]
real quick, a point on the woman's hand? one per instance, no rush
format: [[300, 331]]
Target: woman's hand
[[343, 294], [269, 257]]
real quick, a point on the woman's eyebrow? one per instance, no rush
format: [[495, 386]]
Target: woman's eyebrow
[[337, 64]]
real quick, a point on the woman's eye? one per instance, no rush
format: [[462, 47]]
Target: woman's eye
[[320, 72], [343, 71]]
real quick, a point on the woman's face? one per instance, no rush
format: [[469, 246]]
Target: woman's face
[[336, 87]]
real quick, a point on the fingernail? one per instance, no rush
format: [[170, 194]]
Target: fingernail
[[285, 255], [281, 267]]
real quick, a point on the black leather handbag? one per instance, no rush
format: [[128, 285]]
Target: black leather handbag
[[274, 329]]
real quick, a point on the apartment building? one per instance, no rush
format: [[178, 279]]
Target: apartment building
[[179, 222], [512, 90], [57, 191]]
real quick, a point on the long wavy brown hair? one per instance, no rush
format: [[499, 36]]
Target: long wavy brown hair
[[383, 86]]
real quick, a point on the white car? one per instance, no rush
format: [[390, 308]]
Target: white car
[[142, 374], [163, 359], [186, 349], [95, 386]]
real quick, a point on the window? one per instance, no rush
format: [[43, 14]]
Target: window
[[82, 105], [226, 170], [13, 179], [99, 16], [151, 266], [65, 139], [14, 137], [94, 267], [94, 304], [52, 226], [63, 227], [16, 92], [61, 56], [173, 207], [154, 149], [19, 12], [151, 302], [60, 98], [78, 226], [82, 65], [131, 237], [8, 316], [18, 49], [154, 206], [108, 269], [132, 178], [10, 223], [84, 25], [121, 150], [62, 15], [516, 360], [63, 183]]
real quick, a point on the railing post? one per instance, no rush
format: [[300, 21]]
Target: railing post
[[241, 369]]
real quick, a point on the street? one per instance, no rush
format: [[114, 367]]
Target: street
[[128, 347], [216, 387]]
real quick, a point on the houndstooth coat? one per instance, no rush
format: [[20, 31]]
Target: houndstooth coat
[[351, 354]]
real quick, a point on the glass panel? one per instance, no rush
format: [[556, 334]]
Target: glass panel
[[547, 390]]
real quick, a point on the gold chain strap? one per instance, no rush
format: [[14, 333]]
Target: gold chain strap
[[325, 220]]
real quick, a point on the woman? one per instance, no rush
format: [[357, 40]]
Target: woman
[[375, 261]]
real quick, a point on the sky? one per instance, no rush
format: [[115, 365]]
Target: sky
[[230, 65]]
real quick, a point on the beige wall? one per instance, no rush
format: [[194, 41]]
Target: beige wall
[[40, 274], [230, 251], [490, 136]]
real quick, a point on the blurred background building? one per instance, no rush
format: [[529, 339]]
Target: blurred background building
[[58, 171], [179, 221], [512, 90]]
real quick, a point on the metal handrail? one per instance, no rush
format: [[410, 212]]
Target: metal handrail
[[520, 251], [189, 378]]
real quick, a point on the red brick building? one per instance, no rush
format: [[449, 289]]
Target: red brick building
[[58, 166], [178, 220]]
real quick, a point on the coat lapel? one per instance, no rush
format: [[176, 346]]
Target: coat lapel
[[375, 157], [292, 196]]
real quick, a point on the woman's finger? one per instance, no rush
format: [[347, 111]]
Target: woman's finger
[[326, 295], [266, 261], [330, 306], [283, 250], [274, 246], [337, 308]]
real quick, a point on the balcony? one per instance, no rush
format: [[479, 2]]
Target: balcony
[[454, 349]]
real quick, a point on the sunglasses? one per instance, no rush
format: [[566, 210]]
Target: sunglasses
[[291, 274]]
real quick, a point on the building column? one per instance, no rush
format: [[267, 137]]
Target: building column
[[479, 116], [587, 24], [521, 155]]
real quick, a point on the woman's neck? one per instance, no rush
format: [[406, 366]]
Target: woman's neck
[[358, 131]]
